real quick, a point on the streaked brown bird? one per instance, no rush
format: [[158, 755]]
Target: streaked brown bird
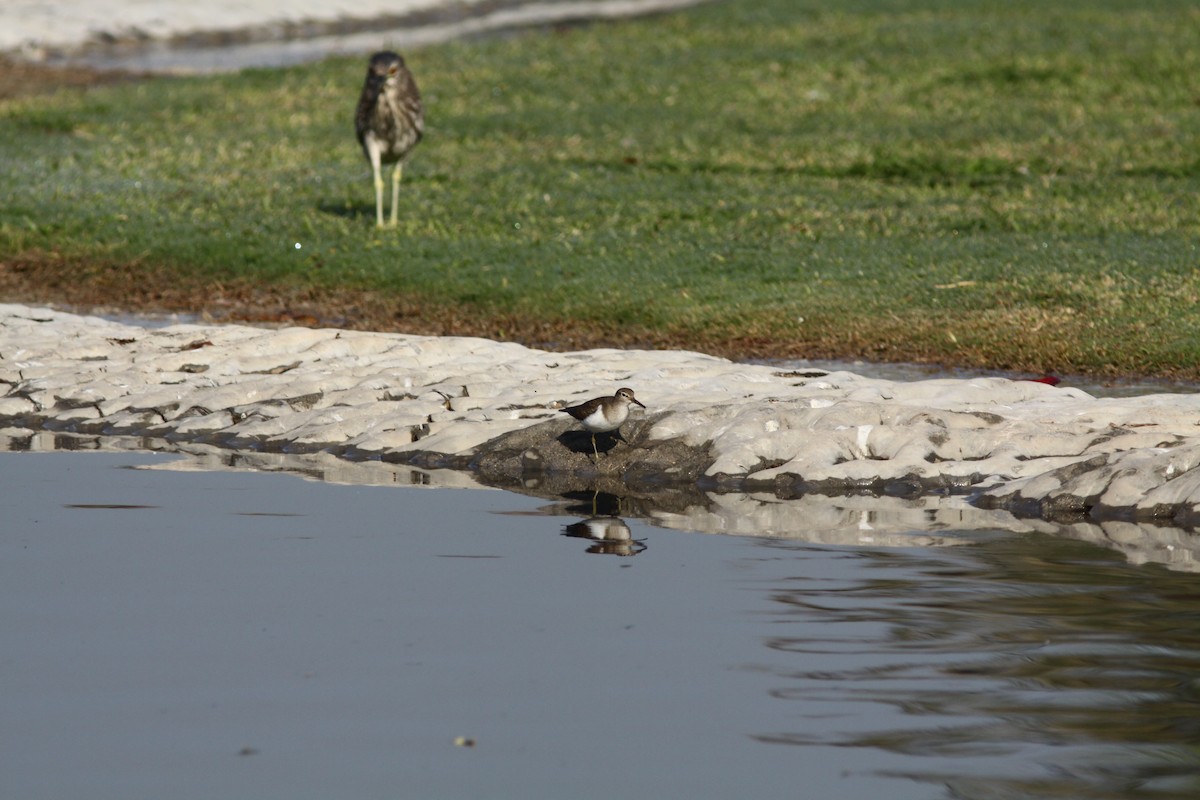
[[389, 122]]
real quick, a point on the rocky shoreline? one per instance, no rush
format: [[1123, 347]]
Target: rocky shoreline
[[713, 425]]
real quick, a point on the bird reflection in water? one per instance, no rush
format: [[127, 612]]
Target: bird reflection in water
[[603, 526], [610, 536]]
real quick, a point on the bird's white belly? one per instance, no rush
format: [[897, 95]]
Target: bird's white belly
[[598, 423]]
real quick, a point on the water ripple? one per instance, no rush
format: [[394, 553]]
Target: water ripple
[[1020, 667]]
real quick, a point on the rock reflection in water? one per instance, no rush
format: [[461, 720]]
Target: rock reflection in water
[[1046, 673], [864, 520]]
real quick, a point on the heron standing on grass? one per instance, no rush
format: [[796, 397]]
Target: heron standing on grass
[[389, 122]]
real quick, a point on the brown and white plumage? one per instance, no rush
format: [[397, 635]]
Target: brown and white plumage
[[602, 414], [389, 122]]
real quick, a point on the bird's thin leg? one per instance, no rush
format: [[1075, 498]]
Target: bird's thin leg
[[396, 188], [594, 450], [378, 189]]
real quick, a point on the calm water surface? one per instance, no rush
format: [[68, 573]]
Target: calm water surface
[[224, 634]]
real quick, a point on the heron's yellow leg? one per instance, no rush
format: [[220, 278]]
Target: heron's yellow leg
[[396, 188], [378, 195]]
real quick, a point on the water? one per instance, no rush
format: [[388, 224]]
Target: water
[[275, 42], [203, 634]]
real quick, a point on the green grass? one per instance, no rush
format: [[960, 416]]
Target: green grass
[[1009, 184]]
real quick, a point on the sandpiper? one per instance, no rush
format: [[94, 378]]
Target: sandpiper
[[602, 414]]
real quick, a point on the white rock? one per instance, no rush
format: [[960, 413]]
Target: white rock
[[388, 392]]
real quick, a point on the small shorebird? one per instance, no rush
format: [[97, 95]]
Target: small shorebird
[[389, 122], [602, 414]]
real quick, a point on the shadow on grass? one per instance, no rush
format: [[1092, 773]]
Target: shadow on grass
[[354, 211]]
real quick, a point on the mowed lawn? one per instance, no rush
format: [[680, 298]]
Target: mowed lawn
[[1006, 184]]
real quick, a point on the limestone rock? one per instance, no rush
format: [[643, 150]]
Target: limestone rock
[[492, 407]]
